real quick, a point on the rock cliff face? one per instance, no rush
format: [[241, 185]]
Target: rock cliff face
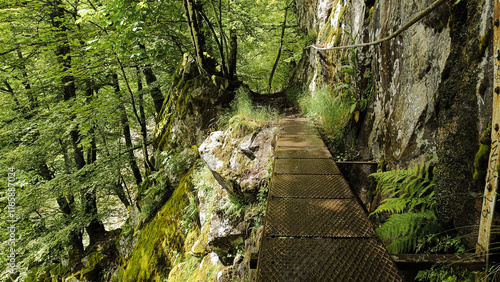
[[432, 83], [209, 228]]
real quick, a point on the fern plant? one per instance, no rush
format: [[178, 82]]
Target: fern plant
[[411, 204]]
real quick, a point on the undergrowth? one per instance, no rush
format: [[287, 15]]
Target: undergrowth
[[335, 106], [244, 115], [445, 273], [412, 226], [411, 204], [331, 111]]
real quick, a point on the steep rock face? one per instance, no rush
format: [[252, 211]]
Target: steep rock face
[[229, 228], [400, 124], [433, 83], [464, 106]]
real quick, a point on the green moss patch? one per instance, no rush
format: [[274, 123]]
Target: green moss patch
[[481, 159], [195, 269], [160, 240]]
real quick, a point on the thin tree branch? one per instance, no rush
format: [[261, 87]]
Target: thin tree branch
[[418, 17]]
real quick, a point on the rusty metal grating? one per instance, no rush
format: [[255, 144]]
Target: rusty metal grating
[[296, 122], [305, 166], [325, 259], [309, 186], [300, 141], [314, 229], [298, 130], [303, 153], [292, 217]]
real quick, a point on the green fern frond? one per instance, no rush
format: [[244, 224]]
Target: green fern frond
[[392, 205], [401, 244], [410, 201], [404, 230]]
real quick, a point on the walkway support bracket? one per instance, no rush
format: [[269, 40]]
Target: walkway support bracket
[[490, 190]]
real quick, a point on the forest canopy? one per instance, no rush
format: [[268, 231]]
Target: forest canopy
[[81, 86]]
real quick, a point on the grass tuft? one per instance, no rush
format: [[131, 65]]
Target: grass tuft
[[331, 112], [245, 115]]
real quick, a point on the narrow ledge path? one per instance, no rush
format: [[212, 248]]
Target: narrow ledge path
[[314, 229]]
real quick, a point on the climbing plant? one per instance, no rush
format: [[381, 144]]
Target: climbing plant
[[411, 204]]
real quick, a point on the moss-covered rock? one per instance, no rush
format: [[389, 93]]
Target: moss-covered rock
[[458, 122], [93, 266], [159, 240], [195, 269], [192, 103]]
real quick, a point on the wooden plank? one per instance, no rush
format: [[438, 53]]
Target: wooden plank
[[490, 191]]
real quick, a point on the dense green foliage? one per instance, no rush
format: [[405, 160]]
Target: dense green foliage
[[411, 204], [331, 111], [243, 115]]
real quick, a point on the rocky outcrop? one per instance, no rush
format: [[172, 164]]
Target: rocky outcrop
[[432, 84], [228, 195], [240, 164], [160, 243]]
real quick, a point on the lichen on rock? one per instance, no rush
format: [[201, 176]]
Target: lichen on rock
[[240, 165]]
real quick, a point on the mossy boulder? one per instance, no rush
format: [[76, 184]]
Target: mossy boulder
[[192, 103], [240, 163], [196, 269], [159, 240]]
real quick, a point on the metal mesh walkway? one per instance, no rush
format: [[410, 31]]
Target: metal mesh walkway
[[315, 230]]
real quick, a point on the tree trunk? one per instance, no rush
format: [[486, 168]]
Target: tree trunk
[[11, 92], [95, 229], [32, 99], [283, 29], [191, 8], [62, 52], [144, 130], [218, 42], [232, 54], [126, 133], [120, 192], [155, 90]]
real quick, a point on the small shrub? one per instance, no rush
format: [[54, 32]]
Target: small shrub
[[332, 113], [190, 216], [234, 209], [244, 114], [204, 181], [446, 273]]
